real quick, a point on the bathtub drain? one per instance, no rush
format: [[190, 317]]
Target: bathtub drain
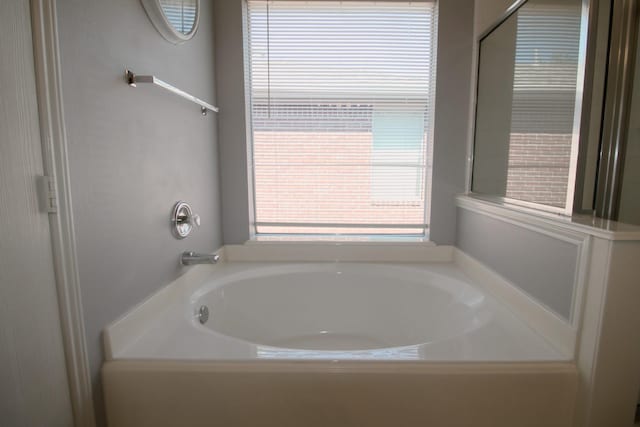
[[203, 314]]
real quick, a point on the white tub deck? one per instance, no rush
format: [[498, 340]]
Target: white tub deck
[[258, 311], [340, 344]]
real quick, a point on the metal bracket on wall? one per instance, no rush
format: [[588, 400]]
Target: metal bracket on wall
[[133, 79]]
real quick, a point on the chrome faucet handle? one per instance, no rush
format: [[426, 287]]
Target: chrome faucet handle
[[195, 220], [183, 220], [192, 220]]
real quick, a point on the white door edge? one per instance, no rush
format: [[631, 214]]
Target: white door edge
[[56, 166]]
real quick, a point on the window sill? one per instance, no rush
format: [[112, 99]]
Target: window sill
[[338, 251], [331, 239]]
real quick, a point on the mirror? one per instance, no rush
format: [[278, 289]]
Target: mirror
[[175, 20], [528, 105]]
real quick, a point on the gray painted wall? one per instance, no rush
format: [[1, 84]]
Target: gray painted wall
[[453, 101], [455, 46], [133, 153], [487, 12], [232, 130], [542, 266]]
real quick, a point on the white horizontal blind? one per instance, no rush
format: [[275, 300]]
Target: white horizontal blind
[[545, 78], [546, 69], [181, 14], [342, 113]]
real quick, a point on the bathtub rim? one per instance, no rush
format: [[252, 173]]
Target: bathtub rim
[[343, 366], [562, 335]]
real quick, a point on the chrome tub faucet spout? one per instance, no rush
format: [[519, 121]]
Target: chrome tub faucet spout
[[191, 258]]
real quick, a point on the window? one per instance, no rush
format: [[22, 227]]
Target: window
[[544, 96], [342, 96]]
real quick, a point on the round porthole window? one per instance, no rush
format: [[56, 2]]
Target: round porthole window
[[175, 20]]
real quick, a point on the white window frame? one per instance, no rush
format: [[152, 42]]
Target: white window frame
[[428, 169]]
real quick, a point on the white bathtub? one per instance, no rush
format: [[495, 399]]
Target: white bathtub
[[340, 310], [332, 311], [332, 344]]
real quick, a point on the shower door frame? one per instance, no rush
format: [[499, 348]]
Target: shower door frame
[[624, 24]]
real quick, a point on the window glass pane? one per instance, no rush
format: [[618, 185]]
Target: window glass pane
[[342, 111], [397, 168]]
